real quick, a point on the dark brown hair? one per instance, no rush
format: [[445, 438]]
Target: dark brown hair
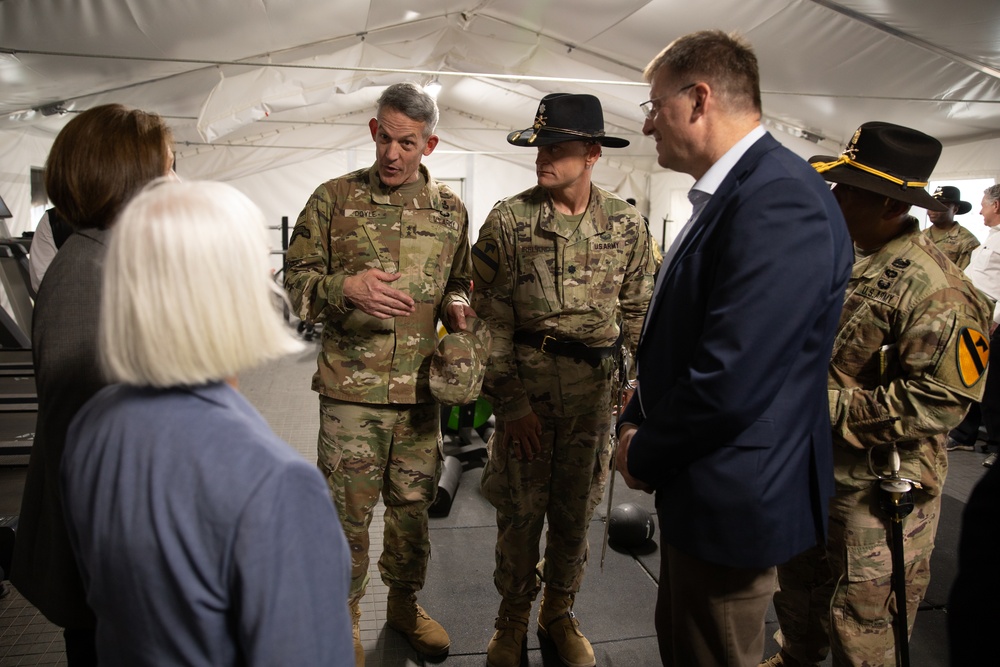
[[101, 159]]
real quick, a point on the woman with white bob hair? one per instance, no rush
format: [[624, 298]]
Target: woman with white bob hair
[[202, 538]]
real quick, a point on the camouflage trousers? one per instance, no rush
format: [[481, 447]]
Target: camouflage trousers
[[564, 482], [840, 597], [367, 450]]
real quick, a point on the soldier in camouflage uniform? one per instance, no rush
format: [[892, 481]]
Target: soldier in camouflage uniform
[[377, 256], [552, 267], [909, 301], [951, 238]]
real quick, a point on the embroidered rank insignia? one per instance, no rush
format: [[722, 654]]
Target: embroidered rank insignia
[[486, 266], [973, 355]]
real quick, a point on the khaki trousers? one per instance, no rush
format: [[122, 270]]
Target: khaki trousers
[[710, 615]]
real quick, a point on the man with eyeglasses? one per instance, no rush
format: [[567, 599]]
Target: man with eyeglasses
[[730, 424]]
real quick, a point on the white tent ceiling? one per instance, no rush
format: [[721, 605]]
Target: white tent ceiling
[[261, 87]]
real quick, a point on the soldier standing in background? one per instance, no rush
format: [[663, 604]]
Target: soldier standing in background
[[552, 267], [377, 256], [951, 238], [909, 358]]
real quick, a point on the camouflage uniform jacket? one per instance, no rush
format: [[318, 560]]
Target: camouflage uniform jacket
[[957, 243], [351, 224], [572, 284], [909, 296]]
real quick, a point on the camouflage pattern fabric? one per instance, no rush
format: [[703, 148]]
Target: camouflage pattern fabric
[[537, 271], [534, 273], [459, 363], [802, 604], [351, 224], [861, 630], [353, 450], [957, 243], [857, 613], [379, 427], [562, 481], [909, 296]]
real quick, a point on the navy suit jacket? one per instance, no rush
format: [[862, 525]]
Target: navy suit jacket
[[734, 427]]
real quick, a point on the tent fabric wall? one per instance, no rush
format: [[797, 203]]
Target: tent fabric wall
[[19, 152], [283, 188], [260, 91]]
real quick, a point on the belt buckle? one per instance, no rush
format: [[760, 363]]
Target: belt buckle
[[545, 339]]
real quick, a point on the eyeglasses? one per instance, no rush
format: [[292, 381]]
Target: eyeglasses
[[649, 108]]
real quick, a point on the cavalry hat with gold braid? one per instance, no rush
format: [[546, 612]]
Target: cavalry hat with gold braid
[[891, 160], [566, 117]]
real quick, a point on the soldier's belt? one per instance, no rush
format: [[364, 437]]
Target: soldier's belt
[[566, 348]]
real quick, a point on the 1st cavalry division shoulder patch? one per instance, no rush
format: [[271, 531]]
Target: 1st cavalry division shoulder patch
[[973, 355], [486, 265]]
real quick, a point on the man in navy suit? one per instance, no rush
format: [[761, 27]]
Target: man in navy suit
[[730, 425]]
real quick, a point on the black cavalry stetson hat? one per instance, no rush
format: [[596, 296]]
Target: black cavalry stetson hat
[[889, 159], [566, 117], [949, 194]]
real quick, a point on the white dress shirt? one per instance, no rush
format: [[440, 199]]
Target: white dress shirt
[[984, 269]]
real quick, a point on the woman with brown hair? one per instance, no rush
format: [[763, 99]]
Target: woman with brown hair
[[97, 163]]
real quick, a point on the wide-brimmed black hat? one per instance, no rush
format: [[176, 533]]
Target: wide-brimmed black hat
[[889, 159], [566, 117], [949, 194]]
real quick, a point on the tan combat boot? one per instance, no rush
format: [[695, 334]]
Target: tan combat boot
[[504, 649], [406, 617], [359, 650], [558, 624]]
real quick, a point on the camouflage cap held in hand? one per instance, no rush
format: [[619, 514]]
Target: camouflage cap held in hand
[[459, 364]]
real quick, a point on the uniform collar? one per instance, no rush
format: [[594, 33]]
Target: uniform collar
[[429, 197], [588, 225]]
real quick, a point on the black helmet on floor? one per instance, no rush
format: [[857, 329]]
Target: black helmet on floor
[[630, 525]]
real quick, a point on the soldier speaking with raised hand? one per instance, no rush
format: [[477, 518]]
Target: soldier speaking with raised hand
[[378, 256]]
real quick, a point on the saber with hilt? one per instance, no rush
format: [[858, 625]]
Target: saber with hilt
[[618, 391], [896, 501]]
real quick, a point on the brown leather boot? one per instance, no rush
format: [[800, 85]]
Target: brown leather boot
[[406, 617], [558, 624], [359, 650], [504, 649]]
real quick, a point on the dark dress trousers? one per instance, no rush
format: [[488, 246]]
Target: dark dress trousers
[[64, 348]]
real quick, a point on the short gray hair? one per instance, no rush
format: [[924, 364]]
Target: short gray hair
[[412, 101], [993, 192], [187, 296]]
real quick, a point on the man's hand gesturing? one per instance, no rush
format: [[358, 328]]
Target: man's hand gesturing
[[370, 291]]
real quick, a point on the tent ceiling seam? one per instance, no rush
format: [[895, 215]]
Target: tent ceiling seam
[[907, 37]]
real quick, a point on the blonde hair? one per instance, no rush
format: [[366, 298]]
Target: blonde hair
[[187, 294]]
